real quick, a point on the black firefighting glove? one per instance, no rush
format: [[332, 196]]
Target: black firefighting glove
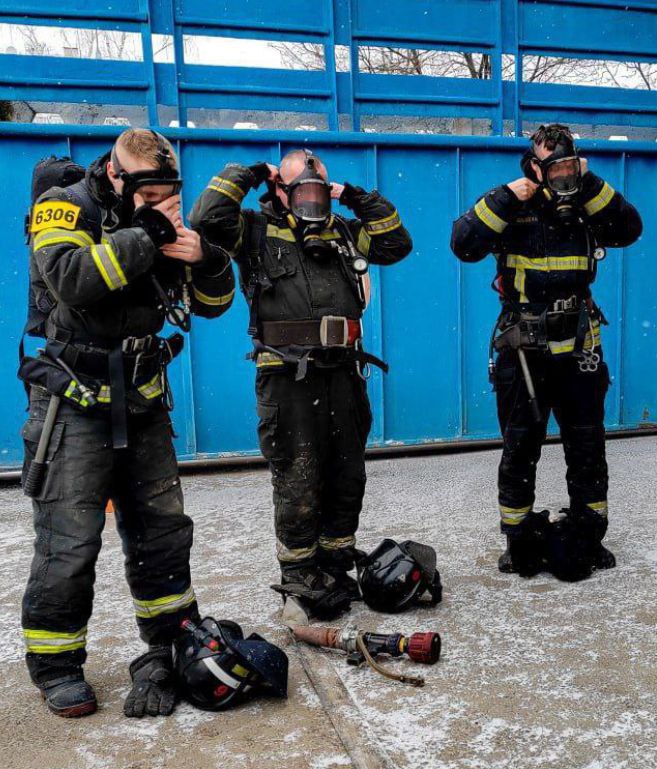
[[351, 195], [260, 173], [153, 690], [155, 224]]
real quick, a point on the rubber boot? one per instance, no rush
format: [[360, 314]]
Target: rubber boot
[[338, 563], [314, 590], [69, 696], [526, 549], [576, 548]]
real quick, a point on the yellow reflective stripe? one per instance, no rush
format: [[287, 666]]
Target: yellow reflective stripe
[[103, 394], [164, 605], [284, 233], [547, 263], [108, 266], [512, 516], [562, 346], [152, 388], [53, 642], [268, 359], [71, 388], [240, 671], [228, 188], [214, 301], [600, 507], [287, 554], [489, 217], [329, 235], [380, 226], [597, 203], [364, 241], [336, 543], [55, 236], [116, 264]]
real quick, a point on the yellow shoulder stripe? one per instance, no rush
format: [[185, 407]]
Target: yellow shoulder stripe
[[54, 236]]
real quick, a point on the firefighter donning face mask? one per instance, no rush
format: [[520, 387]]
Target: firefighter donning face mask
[[560, 170], [154, 184], [309, 200]]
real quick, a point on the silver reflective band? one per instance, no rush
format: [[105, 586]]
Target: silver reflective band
[[217, 672]]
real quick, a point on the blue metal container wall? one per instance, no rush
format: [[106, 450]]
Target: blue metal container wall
[[430, 316]]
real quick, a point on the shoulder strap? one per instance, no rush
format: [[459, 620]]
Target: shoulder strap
[[257, 240]]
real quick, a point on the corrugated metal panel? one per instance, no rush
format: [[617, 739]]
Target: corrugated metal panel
[[430, 316]]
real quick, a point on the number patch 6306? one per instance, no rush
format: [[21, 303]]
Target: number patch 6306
[[54, 213]]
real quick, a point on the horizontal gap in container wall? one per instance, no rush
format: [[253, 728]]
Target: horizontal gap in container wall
[[608, 73], [242, 52], [70, 42], [57, 113], [421, 125], [247, 120], [603, 132]]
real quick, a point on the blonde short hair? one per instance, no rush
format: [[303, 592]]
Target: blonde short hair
[[142, 143]]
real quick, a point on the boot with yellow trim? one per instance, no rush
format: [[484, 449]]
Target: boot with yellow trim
[[526, 552]]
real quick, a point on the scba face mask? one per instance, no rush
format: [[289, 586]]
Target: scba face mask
[[309, 200], [561, 171], [165, 178]]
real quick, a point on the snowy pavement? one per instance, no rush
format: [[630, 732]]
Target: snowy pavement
[[535, 674]]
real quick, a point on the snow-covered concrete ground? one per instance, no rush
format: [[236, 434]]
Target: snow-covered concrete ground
[[535, 674]]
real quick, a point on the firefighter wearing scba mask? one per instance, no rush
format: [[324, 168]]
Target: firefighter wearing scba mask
[[303, 271], [110, 261], [548, 231]]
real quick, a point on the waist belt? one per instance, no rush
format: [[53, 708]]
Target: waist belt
[[329, 331], [132, 360], [330, 341], [532, 329]]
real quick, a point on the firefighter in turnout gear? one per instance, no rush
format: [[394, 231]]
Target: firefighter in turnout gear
[[548, 231], [303, 272], [110, 261]]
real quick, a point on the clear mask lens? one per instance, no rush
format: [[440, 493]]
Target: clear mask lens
[[310, 200], [563, 176]]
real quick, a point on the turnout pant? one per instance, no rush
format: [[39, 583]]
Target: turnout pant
[[576, 399], [313, 433], [84, 472]]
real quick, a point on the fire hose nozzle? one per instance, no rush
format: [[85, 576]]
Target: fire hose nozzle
[[424, 648]]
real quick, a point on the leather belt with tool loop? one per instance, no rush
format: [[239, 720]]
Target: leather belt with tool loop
[[327, 341]]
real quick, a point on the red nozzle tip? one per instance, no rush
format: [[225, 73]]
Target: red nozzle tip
[[424, 648]]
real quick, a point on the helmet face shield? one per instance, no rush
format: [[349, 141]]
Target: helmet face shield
[[563, 175]]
